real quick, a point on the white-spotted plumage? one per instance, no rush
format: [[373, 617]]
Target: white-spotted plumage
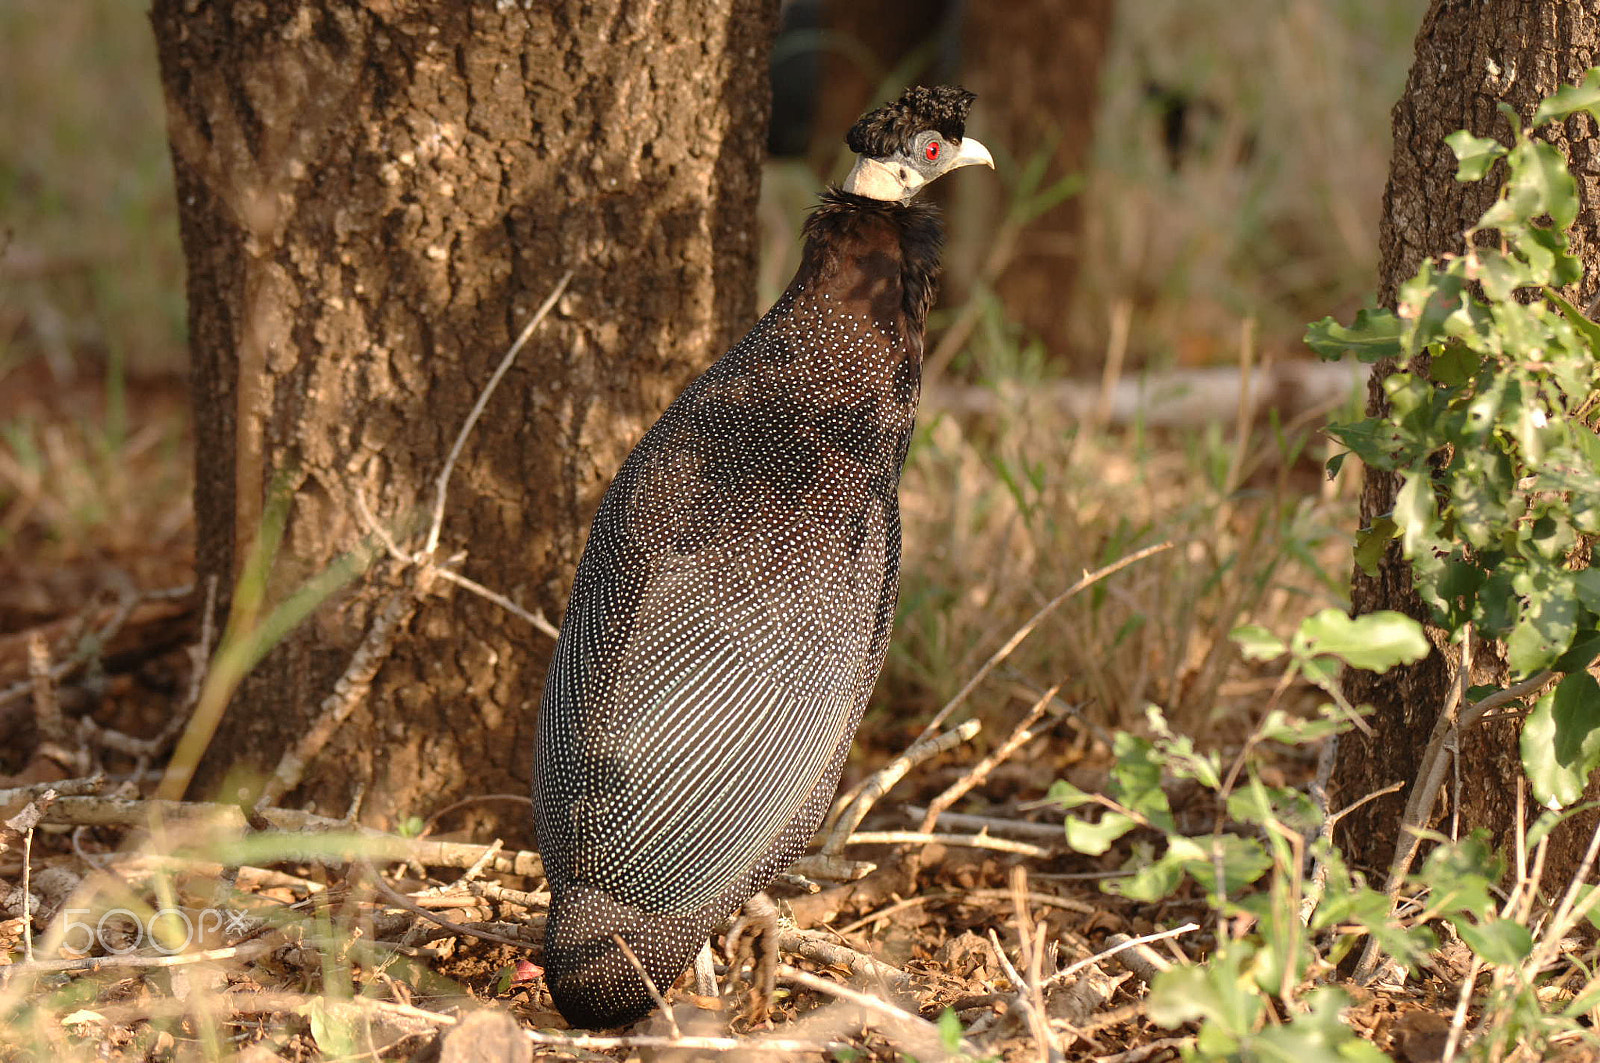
[[731, 612]]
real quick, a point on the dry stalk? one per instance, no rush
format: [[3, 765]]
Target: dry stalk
[[813, 945], [1017, 637], [442, 487], [852, 808], [650, 987], [1155, 960], [348, 691], [397, 899], [1020, 736], [911, 1027], [997, 825], [971, 841], [139, 812], [1447, 731]]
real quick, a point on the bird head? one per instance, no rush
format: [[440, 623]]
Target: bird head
[[905, 144]]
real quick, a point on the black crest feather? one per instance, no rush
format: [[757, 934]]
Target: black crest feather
[[891, 128]]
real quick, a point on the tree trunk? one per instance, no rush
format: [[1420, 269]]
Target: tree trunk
[[1043, 59], [1470, 56], [374, 198]]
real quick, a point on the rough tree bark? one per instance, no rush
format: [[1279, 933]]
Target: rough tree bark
[[1470, 56], [374, 198]]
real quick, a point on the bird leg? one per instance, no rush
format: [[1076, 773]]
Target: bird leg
[[755, 935], [705, 974]]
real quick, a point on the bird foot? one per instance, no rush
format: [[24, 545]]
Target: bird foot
[[754, 936], [705, 972]]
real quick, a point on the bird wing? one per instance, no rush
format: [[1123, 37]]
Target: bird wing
[[718, 649]]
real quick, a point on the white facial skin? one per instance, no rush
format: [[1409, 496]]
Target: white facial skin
[[898, 177]]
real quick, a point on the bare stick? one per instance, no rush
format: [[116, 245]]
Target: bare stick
[[1089, 580], [62, 787], [92, 646], [27, 895], [537, 619], [926, 1034], [1015, 828], [1121, 946], [471, 422], [650, 986], [1019, 737], [854, 806], [90, 964], [395, 898], [133, 812], [970, 841], [812, 945]]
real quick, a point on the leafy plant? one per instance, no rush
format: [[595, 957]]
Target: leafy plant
[[1491, 426], [1278, 931]]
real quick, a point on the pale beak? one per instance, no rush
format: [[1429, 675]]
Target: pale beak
[[972, 153]]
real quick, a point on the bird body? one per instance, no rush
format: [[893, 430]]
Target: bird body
[[730, 615]]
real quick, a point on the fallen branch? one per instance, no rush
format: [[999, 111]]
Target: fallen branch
[[139, 812]]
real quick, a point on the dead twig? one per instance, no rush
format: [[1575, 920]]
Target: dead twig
[[925, 1038], [812, 945], [1123, 944], [852, 808], [1017, 638], [442, 487], [650, 986], [138, 812], [397, 899], [974, 776], [971, 841]]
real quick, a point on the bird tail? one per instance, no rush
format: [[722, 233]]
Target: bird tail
[[594, 984]]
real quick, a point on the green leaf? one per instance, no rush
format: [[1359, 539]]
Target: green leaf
[[1279, 726], [1093, 839], [1256, 643], [1317, 1036], [1546, 622], [1540, 184], [1460, 875], [1067, 795], [1215, 992], [1152, 880], [1374, 641], [1455, 365], [1588, 329], [1243, 860], [1561, 741], [1375, 442], [950, 1031], [1474, 155], [1570, 99], [1499, 941], [1416, 512], [1371, 542], [1374, 335], [1136, 779]]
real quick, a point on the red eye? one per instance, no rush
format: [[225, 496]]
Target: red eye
[[932, 150]]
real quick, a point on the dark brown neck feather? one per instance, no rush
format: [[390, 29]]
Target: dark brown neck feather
[[881, 251]]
